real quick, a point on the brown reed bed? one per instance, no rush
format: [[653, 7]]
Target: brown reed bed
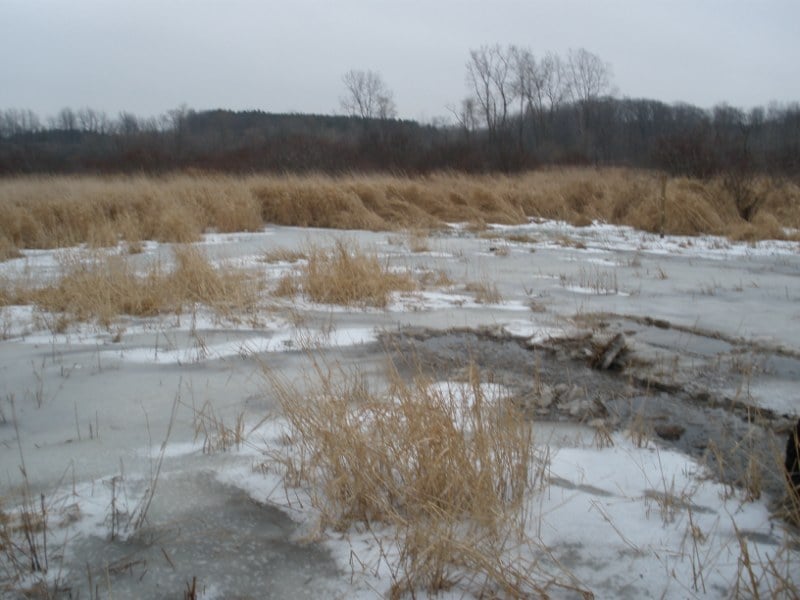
[[48, 212]]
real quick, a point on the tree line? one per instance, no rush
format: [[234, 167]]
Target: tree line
[[521, 111]]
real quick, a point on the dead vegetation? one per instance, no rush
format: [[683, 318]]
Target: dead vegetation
[[47, 212], [345, 275], [448, 472], [283, 255], [94, 285], [484, 291], [97, 286], [7, 249]]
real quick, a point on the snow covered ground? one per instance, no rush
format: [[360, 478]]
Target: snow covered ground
[[83, 413]]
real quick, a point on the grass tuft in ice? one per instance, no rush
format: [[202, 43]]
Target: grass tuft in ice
[[97, 286], [345, 275], [448, 471]]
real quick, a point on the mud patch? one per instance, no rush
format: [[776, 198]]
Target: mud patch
[[669, 381]]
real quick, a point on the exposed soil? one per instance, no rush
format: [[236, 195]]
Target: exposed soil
[[685, 390]]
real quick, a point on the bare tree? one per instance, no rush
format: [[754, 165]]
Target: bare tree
[[128, 124], [16, 121], [91, 120], [525, 79], [66, 120], [541, 87], [176, 122], [589, 76], [490, 77], [543, 84], [367, 96], [466, 115], [554, 80]]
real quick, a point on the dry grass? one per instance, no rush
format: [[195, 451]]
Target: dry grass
[[600, 281], [520, 238], [345, 275], [283, 255], [7, 249], [746, 469], [217, 436], [23, 548], [448, 474], [226, 290], [46, 212], [96, 286], [485, 292], [434, 278], [418, 241]]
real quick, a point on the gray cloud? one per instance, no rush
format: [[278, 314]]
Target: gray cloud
[[147, 57]]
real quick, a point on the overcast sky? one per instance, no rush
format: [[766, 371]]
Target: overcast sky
[[148, 56]]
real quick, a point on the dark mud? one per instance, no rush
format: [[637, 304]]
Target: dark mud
[[684, 390]]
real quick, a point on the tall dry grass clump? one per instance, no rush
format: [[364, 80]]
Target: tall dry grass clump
[[7, 248], [228, 291], [387, 198], [313, 201], [345, 275], [690, 210], [100, 287], [94, 286], [448, 472], [574, 195], [782, 200], [479, 199]]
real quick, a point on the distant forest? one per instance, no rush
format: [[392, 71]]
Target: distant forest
[[681, 139], [521, 113]]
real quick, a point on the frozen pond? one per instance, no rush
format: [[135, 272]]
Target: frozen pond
[[712, 330]]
